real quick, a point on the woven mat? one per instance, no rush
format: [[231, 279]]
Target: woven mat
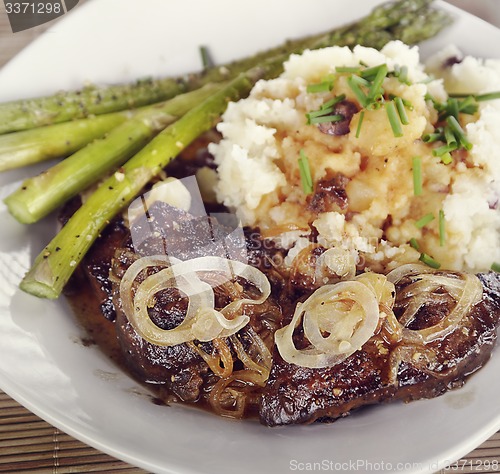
[[29, 444]]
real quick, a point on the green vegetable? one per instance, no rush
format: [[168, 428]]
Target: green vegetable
[[326, 109], [401, 110], [360, 123], [395, 20], [54, 141], [444, 150], [345, 69], [479, 97], [429, 261], [56, 263], [305, 173], [414, 244], [206, 60], [40, 195], [394, 119], [417, 176], [401, 72], [446, 158], [324, 86], [452, 133], [457, 130], [422, 222], [378, 74], [65, 106], [355, 86], [326, 118]]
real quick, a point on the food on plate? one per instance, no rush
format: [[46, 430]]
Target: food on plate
[[296, 326], [55, 264], [350, 251], [378, 191], [445, 331], [423, 363], [411, 21]]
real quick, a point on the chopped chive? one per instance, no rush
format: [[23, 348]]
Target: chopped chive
[[431, 137], [423, 221], [417, 176], [468, 105], [394, 120], [429, 261], [488, 96], [376, 87], [360, 122], [325, 109], [446, 158], [452, 107], [325, 86], [442, 150], [330, 103], [495, 267], [357, 91], [414, 244], [360, 80], [206, 60], [442, 228], [376, 104], [458, 131], [317, 113], [326, 118], [450, 137], [371, 72], [401, 110], [431, 98], [347, 69], [305, 173], [407, 104], [403, 74]]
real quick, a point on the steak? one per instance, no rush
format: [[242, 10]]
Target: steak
[[292, 394], [296, 394], [166, 230]]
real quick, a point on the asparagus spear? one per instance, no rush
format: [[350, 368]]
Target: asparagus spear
[[56, 263], [54, 141], [374, 30], [91, 100], [40, 195]]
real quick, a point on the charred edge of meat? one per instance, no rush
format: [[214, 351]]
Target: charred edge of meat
[[300, 395]]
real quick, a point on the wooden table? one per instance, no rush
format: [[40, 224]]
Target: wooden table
[[29, 444]]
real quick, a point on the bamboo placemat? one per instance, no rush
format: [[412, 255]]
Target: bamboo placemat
[[29, 444]]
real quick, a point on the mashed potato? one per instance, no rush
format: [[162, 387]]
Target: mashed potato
[[363, 196]]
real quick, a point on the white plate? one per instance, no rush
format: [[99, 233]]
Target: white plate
[[77, 389]]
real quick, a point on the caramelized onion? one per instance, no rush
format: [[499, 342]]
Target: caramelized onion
[[337, 320], [426, 287], [259, 362], [202, 321], [221, 364], [419, 357], [229, 397]]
